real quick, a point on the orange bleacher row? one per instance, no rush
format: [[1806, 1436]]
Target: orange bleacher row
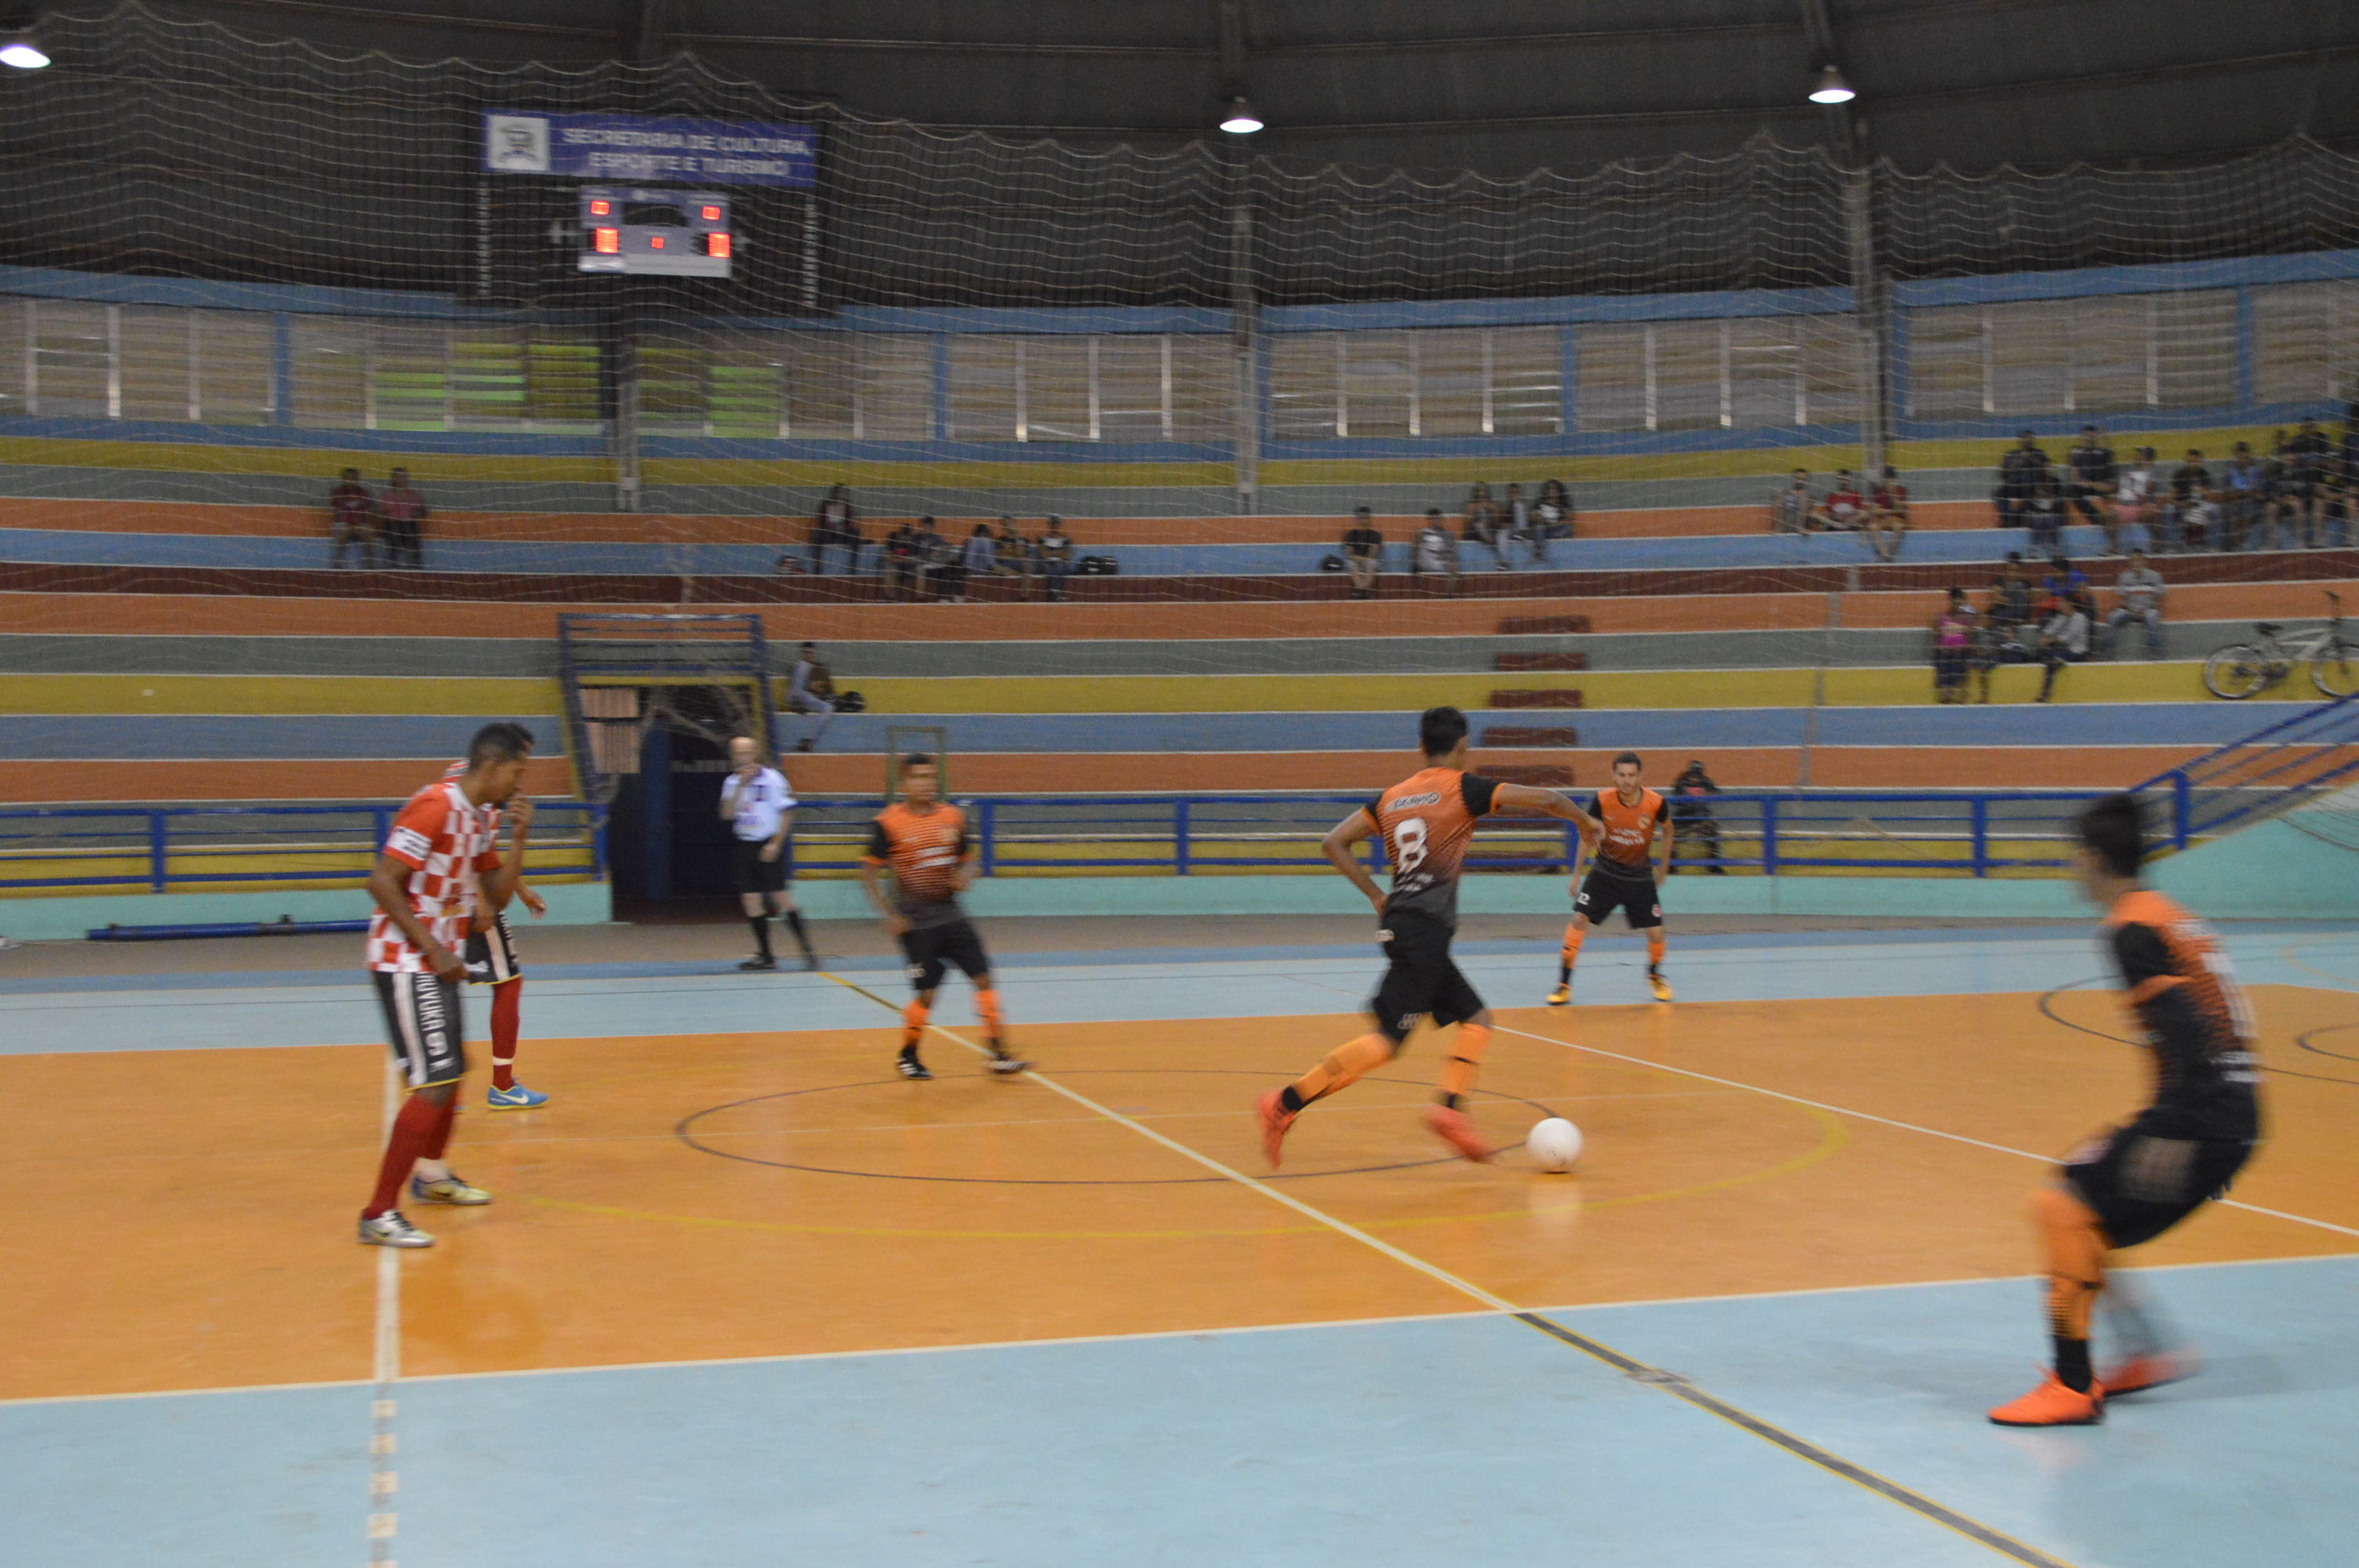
[[166, 614], [609, 527]]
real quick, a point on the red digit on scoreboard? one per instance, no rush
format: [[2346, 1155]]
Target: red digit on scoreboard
[[608, 242]]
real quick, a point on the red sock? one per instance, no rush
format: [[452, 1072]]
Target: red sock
[[441, 1138], [506, 998], [413, 1130]]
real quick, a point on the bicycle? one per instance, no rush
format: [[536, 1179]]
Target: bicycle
[[2246, 669]]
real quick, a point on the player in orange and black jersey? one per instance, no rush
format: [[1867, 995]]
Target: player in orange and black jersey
[[1427, 822], [1625, 872], [922, 841], [2131, 1183]]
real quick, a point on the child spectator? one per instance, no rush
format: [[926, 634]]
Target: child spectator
[[1953, 631]]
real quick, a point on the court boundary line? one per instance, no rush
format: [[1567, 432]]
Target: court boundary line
[[1888, 1122], [1307, 1324], [1670, 1383], [385, 1481]]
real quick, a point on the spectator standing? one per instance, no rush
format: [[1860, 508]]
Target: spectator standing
[[1435, 553], [2244, 484], [2020, 470], [2190, 497], [1695, 831], [2307, 456], [2094, 476], [1363, 553], [1887, 516], [2064, 640], [1482, 526], [352, 523], [1954, 635], [1056, 558], [401, 519], [2140, 590], [979, 559], [810, 688], [1791, 510], [1984, 651], [901, 561]]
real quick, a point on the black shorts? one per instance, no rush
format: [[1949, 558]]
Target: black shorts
[[423, 1022], [2140, 1186], [1421, 979], [490, 954], [1601, 894], [931, 951], [756, 874]]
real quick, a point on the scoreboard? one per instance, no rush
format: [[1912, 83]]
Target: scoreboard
[[663, 233]]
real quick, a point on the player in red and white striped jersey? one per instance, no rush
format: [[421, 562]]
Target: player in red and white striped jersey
[[491, 955], [439, 864]]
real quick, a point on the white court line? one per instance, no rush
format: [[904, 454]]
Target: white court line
[[1883, 1121], [384, 1523]]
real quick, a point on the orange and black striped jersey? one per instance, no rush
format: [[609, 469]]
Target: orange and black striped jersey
[[1426, 821], [2194, 1014], [1627, 847], [923, 850]]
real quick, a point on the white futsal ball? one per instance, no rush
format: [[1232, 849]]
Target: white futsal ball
[[1555, 1145]]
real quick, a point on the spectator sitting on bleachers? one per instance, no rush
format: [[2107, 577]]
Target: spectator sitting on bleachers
[[810, 688], [1953, 638], [2334, 507], [2093, 475], [1435, 553], [2069, 582], [2306, 461], [401, 522], [2136, 498], [1791, 510], [2191, 498], [2019, 473], [979, 559], [1519, 522], [1988, 647], [2010, 607], [2244, 484], [1017, 557], [936, 561], [2064, 640], [1887, 516], [352, 523], [1695, 831], [2043, 515], [1482, 526], [1554, 505], [1056, 549], [1363, 553], [1845, 509], [2140, 589]]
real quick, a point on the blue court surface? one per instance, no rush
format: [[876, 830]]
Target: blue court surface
[[1795, 1428]]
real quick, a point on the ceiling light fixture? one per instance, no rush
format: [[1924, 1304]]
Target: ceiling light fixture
[[1832, 86], [1241, 120], [22, 52]]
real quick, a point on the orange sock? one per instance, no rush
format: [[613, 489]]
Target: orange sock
[[2075, 1245], [1655, 950], [1466, 1059], [986, 1003], [1573, 936], [913, 1023], [1345, 1066]]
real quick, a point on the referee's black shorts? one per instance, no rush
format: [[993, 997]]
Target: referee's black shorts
[[1601, 893], [756, 874], [1421, 979]]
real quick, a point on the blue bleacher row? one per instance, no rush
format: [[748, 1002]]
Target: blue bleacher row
[[136, 737], [75, 547]]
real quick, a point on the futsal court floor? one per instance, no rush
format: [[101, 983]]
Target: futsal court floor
[[747, 1297]]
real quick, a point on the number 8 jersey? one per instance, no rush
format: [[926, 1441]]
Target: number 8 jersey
[[1426, 821]]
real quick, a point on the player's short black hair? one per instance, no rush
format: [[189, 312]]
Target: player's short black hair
[[498, 742], [1438, 730], [1629, 757], [2114, 830], [917, 760]]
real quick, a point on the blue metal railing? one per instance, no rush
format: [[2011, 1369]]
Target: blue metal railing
[[159, 848], [2271, 770], [1770, 833]]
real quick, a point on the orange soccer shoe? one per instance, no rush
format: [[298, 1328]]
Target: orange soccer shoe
[[1452, 1128], [2054, 1404], [1274, 1119], [2139, 1373]]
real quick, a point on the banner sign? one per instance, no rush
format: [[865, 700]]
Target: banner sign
[[643, 147]]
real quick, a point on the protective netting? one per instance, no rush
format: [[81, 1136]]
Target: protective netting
[[237, 269]]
